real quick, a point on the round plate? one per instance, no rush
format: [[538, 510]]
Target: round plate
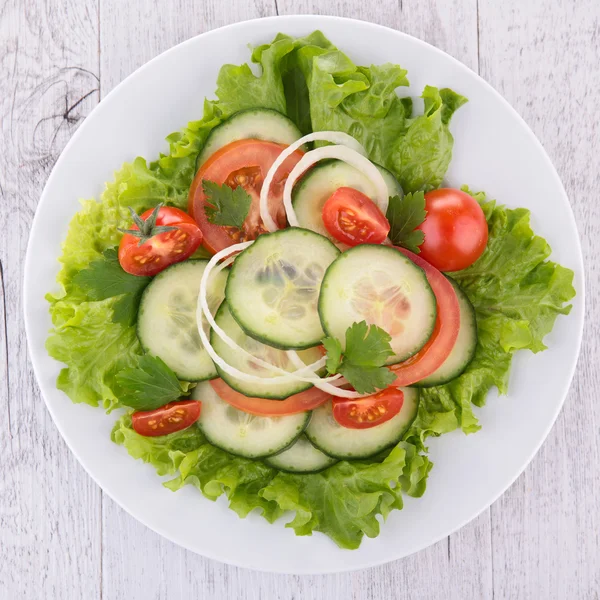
[[494, 151]]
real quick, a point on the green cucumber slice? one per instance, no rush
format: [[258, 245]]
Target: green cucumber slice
[[383, 287], [313, 190], [464, 348], [244, 434], [274, 284], [256, 123], [302, 457], [343, 443], [167, 325]]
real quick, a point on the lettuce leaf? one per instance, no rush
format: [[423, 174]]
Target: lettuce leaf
[[165, 453], [212, 470], [421, 157], [344, 500], [95, 349], [324, 90], [517, 295]]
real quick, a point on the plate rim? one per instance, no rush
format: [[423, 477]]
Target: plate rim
[[281, 22]]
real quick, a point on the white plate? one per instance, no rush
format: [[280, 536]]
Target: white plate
[[494, 151]]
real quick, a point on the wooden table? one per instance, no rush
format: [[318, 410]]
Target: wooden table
[[61, 537]]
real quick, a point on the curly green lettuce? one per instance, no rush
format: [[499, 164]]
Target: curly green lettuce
[[343, 501]]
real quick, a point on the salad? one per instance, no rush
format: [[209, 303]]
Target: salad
[[290, 301]]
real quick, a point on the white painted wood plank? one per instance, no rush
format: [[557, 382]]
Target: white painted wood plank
[[543, 57], [451, 26], [49, 508]]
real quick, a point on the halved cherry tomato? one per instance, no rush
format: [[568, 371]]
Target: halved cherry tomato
[[369, 411], [440, 344], [169, 418], [455, 229], [245, 163], [311, 398], [353, 218], [161, 237]]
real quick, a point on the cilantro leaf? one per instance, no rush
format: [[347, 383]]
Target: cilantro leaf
[[150, 385], [362, 362], [334, 354], [105, 278], [367, 379], [405, 215], [367, 346], [229, 206]]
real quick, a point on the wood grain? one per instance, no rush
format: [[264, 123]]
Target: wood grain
[[546, 527], [49, 508], [60, 537]]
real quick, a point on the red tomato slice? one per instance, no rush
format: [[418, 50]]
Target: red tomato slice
[[159, 250], [311, 398], [441, 342], [353, 218], [369, 411], [455, 229], [245, 163], [169, 418]]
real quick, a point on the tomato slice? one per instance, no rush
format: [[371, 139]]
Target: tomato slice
[[353, 218], [169, 418], [245, 163], [444, 335], [311, 398], [369, 411], [150, 251]]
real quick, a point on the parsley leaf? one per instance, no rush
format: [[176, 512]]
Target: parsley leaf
[[367, 346], [229, 206], [405, 215], [105, 278], [362, 362], [366, 380], [150, 385]]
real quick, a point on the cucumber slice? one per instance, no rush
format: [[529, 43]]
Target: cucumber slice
[[244, 434], [236, 359], [343, 443], [383, 287], [313, 190], [302, 457], [464, 348], [273, 287], [167, 325], [257, 123]]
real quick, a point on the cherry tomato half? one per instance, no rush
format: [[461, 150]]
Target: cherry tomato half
[[353, 218], [169, 418], [455, 229], [427, 360], [153, 249], [243, 163], [370, 411], [311, 398]]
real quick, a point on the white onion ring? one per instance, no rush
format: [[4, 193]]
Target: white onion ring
[[334, 137]]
